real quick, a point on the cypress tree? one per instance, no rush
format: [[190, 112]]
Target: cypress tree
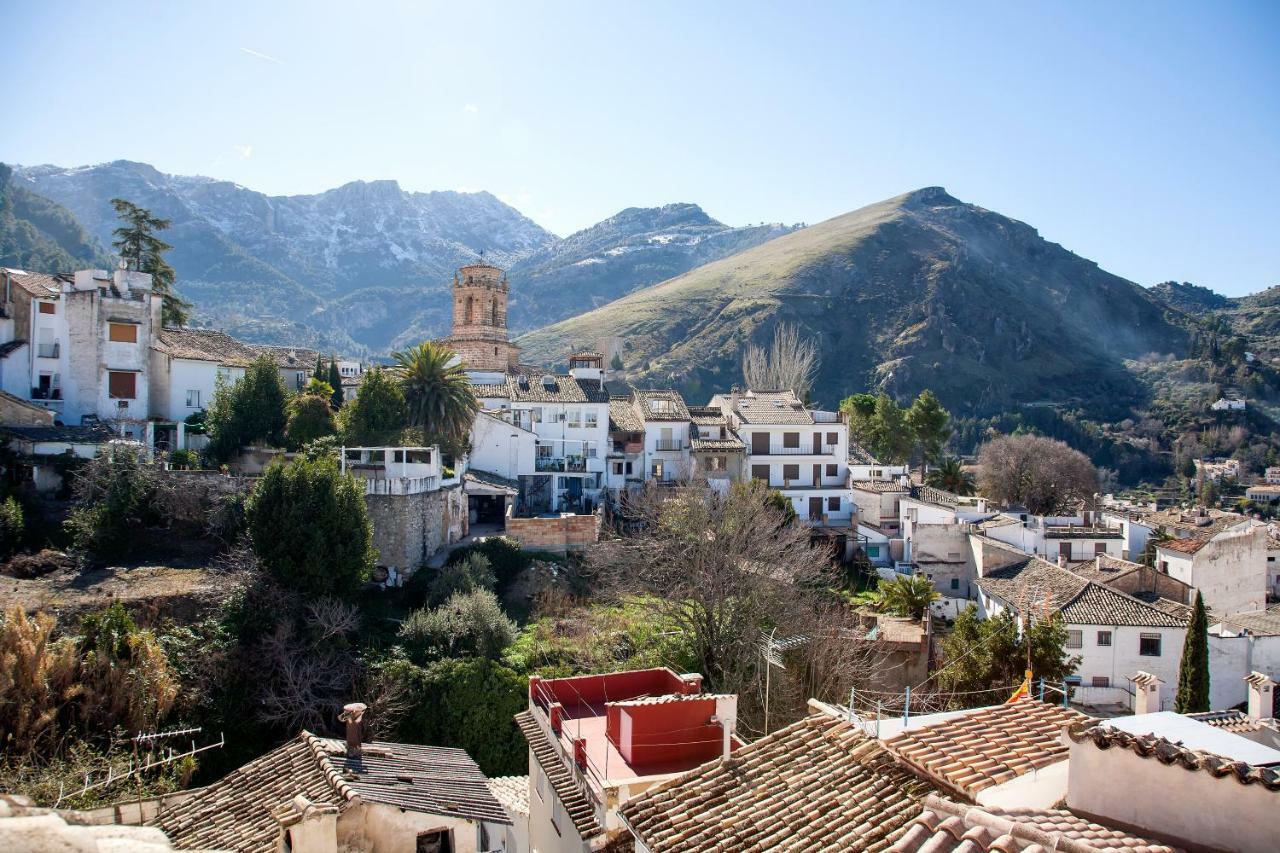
[[1193, 674], [335, 379], [321, 372]]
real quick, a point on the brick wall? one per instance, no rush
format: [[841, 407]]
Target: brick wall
[[562, 533]]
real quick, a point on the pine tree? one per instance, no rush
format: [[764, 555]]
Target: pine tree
[[321, 372], [1193, 674], [335, 379], [930, 427], [143, 251]]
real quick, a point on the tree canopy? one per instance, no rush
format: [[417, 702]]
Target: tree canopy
[[143, 251], [1193, 673], [378, 414], [251, 410], [437, 394], [310, 528], [1042, 474], [991, 654]]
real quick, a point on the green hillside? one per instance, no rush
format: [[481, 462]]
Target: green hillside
[[917, 291], [37, 234]]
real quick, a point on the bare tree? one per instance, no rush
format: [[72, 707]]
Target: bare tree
[[725, 567], [1042, 474], [789, 363]]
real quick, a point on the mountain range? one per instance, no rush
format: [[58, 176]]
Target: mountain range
[[921, 290], [365, 268]]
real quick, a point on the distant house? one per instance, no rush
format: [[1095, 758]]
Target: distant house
[[317, 794], [1222, 404], [41, 453], [186, 366], [1263, 493], [296, 363], [1225, 557]]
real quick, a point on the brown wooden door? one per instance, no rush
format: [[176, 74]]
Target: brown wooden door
[[815, 509], [817, 476], [1064, 550], [817, 442]]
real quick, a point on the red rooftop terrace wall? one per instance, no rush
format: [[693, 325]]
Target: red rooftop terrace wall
[[662, 733], [596, 690]]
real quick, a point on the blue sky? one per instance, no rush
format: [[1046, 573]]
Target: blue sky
[[1143, 135]]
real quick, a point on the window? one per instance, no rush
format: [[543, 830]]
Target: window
[[1149, 645], [833, 438], [833, 504], [535, 415], [1164, 567], [832, 470], [591, 419], [628, 467], [123, 333], [48, 308], [1100, 681], [791, 439], [193, 399], [122, 385], [955, 583], [1074, 640], [434, 841], [1099, 548], [656, 470], [1104, 638], [791, 472], [873, 551], [575, 418], [617, 467], [715, 463], [760, 472]]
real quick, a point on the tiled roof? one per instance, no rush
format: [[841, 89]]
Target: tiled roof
[[37, 284], [1265, 623], [945, 826], [205, 345], [998, 521], [1100, 605], [236, 812], [562, 389], [879, 486], [770, 407], [726, 444], [1079, 600], [288, 357], [496, 481], [987, 746], [575, 803], [89, 434], [512, 792], [1237, 722], [817, 784], [623, 417], [707, 416], [1213, 522], [673, 400], [1104, 568], [1190, 545], [941, 497], [1168, 753]]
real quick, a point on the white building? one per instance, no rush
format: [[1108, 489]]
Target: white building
[[1222, 404], [1227, 565], [297, 364], [186, 367], [802, 452], [1072, 538], [1113, 633], [569, 415], [1216, 470]]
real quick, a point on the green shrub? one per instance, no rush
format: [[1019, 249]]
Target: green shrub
[[310, 418], [12, 526], [505, 557], [114, 500], [310, 528], [468, 704], [378, 414], [252, 410], [461, 576], [183, 459], [469, 624]]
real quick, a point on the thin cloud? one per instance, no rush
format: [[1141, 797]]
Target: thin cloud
[[262, 56], [246, 151]]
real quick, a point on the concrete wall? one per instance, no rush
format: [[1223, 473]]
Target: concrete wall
[[1121, 660], [942, 550], [501, 448], [1231, 658], [408, 529], [380, 828], [1230, 570], [562, 533], [550, 829], [1169, 800], [172, 378]]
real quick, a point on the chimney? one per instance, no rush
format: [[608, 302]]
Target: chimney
[[727, 717], [1146, 693], [1062, 561], [1261, 696], [352, 715]]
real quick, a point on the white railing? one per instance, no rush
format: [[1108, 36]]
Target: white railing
[[401, 485]]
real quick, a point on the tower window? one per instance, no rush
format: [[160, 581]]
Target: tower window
[[495, 350]]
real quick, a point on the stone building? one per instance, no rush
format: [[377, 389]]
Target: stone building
[[480, 319]]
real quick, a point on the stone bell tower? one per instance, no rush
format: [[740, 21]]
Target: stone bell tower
[[479, 334]]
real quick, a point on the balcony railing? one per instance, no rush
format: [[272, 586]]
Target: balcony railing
[[46, 393], [795, 451], [668, 444], [48, 350], [547, 463]]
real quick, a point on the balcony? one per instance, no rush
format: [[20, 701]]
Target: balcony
[[668, 444], [42, 394], [52, 350], [547, 463], [795, 451]]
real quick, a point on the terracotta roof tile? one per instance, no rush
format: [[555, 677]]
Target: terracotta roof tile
[[575, 803], [623, 417], [945, 826], [512, 792], [1237, 722], [205, 345], [1079, 600], [879, 486], [1169, 753], [37, 284], [818, 784], [987, 746], [671, 402], [289, 357]]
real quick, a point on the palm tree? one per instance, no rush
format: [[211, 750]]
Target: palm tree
[[908, 595], [950, 476], [437, 393]]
